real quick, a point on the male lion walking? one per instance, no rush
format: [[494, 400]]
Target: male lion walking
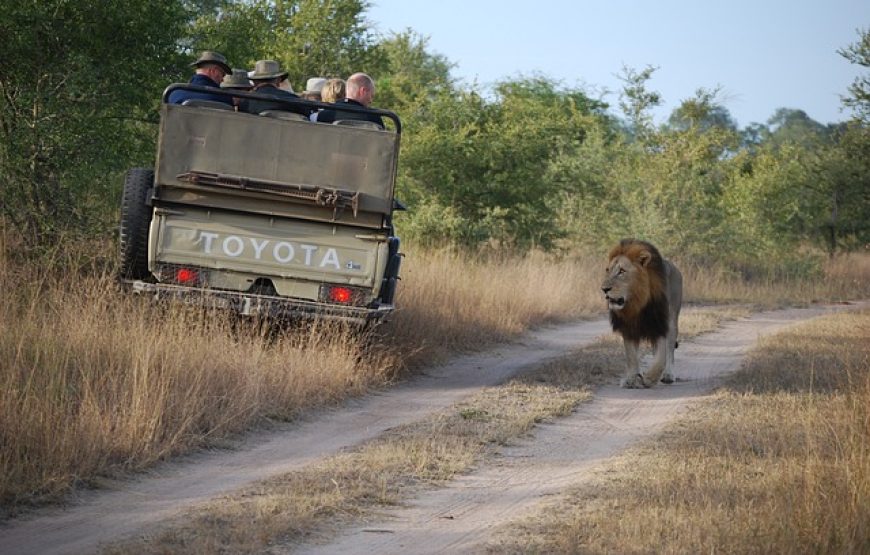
[[644, 293]]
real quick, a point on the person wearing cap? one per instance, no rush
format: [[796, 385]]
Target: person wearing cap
[[210, 70], [237, 80], [313, 88], [360, 92], [267, 77]]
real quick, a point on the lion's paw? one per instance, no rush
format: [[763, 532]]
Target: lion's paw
[[668, 378], [634, 382]]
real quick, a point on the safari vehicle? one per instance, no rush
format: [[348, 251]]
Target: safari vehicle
[[268, 214]]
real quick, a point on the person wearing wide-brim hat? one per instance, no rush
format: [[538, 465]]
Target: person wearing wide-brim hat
[[267, 76], [210, 57], [210, 67], [313, 87], [238, 79], [267, 71]]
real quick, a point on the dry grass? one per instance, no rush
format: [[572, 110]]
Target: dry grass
[[316, 500], [93, 382], [778, 462], [450, 300], [843, 278]]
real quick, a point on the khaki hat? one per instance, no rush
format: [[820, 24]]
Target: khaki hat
[[315, 85], [238, 79], [211, 57], [266, 69]]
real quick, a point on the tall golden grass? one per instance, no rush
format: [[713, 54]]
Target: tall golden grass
[[778, 462], [843, 277], [451, 301], [93, 381]]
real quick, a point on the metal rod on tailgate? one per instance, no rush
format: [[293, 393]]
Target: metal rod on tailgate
[[336, 198]]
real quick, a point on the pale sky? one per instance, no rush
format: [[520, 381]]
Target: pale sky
[[765, 54]]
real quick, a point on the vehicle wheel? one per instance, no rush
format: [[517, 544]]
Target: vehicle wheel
[[391, 275], [135, 221]]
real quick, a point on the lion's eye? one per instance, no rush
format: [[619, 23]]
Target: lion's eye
[[620, 272]]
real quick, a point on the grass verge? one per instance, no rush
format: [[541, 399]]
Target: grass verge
[[777, 462]]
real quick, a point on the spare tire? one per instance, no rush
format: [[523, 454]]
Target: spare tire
[[135, 222]]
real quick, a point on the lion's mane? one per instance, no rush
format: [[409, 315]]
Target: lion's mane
[[646, 315]]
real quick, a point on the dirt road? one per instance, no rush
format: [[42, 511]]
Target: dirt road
[[460, 517], [454, 519]]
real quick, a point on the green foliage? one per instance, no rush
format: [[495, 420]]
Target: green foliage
[[527, 163], [796, 127], [490, 160], [412, 75], [636, 100], [78, 84], [859, 91], [703, 111], [308, 37]]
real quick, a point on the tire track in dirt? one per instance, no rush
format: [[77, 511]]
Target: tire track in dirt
[[460, 517], [126, 507]]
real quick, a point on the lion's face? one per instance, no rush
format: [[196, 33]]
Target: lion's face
[[626, 283]]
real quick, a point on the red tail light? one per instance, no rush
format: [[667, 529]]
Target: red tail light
[[186, 276], [341, 295]]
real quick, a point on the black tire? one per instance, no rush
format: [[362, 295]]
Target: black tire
[[391, 275], [135, 221]]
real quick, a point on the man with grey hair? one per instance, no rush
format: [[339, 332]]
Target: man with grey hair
[[360, 92]]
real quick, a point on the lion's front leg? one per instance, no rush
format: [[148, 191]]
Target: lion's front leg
[[660, 363], [632, 378], [668, 376]]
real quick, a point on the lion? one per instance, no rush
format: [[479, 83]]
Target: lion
[[644, 293]]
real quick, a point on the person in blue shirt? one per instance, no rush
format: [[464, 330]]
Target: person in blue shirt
[[210, 70]]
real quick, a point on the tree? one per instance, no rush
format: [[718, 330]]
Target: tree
[[859, 91], [788, 125], [702, 112], [79, 82], [488, 167], [412, 76], [842, 183], [636, 100], [327, 38]]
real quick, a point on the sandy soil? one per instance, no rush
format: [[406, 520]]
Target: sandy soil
[[454, 519]]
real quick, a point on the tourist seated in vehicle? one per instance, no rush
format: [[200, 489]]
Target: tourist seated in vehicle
[[332, 92], [238, 81], [360, 91], [211, 67], [267, 76], [313, 88]]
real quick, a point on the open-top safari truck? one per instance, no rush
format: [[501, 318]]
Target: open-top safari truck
[[268, 214]]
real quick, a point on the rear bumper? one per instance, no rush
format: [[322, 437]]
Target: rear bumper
[[258, 305]]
